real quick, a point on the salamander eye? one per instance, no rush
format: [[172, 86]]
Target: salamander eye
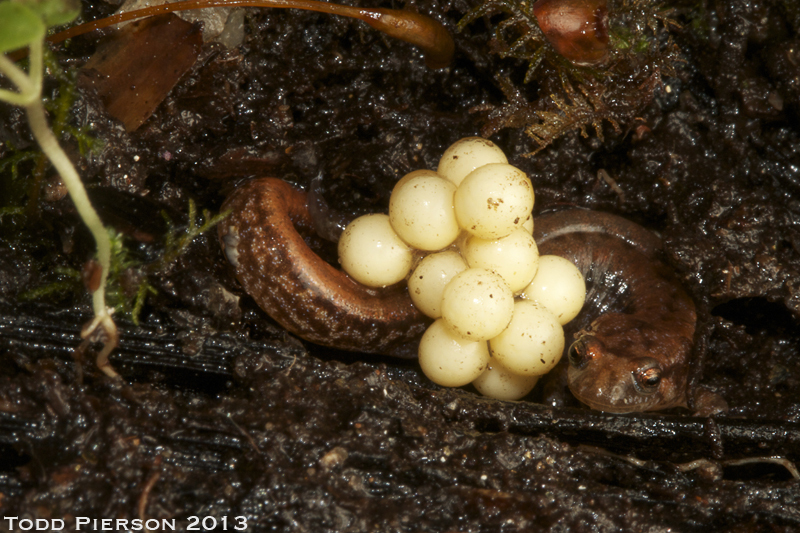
[[647, 377], [577, 354]]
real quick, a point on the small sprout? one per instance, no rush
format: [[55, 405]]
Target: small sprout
[[25, 24]]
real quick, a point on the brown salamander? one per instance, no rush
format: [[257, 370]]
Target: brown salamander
[[633, 353], [301, 291]]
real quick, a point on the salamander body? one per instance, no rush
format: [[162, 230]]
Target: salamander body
[[635, 354], [632, 352], [301, 291]]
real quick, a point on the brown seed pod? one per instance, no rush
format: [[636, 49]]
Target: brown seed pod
[[577, 29]]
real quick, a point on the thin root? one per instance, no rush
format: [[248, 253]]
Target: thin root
[[102, 328], [148, 487], [776, 460]]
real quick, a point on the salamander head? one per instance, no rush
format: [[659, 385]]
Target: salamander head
[[621, 379]]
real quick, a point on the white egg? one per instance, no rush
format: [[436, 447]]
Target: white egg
[[428, 280], [465, 155], [494, 200], [499, 383], [528, 224], [372, 253], [415, 174], [477, 304], [421, 212], [559, 286], [449, 360], [515, 257], [533, 342]]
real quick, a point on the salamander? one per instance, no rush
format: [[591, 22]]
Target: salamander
[[297, 288], [633, 351]]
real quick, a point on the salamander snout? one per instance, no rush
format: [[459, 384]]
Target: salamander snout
[[614, 380]]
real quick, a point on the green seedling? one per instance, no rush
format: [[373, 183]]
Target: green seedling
[[23, 24]]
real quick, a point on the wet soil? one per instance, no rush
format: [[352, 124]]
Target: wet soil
[[222, 413]]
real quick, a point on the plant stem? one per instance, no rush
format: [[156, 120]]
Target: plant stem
[[420, 30], [30, 87], [27, 89], [49, 145]]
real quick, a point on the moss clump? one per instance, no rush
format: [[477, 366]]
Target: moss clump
[[556, 96]]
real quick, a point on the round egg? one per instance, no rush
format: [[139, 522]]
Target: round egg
[[449, 360], [514, 257], [415, 174], [428, 280], [533, 342], [372, 253], [465, 155], [494, 200], [421, 212], [499, 383], [528, 224], [559, 286], [477, 304]]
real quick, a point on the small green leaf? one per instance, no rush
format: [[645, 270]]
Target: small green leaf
[[19, 26], [54, 12]]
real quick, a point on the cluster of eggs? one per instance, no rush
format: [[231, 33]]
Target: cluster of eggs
[[464, 234]]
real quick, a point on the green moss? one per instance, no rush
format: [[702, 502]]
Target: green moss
[[129, 278], [641, 51], [129, 281], [22, 171], [178, 239], [517, 35], [61, 109], [68, 281]]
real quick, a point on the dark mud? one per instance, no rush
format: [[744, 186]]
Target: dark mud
[[222, 413]]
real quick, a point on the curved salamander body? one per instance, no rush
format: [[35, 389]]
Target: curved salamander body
[[299, 289], [634, 356], [632, 353]]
